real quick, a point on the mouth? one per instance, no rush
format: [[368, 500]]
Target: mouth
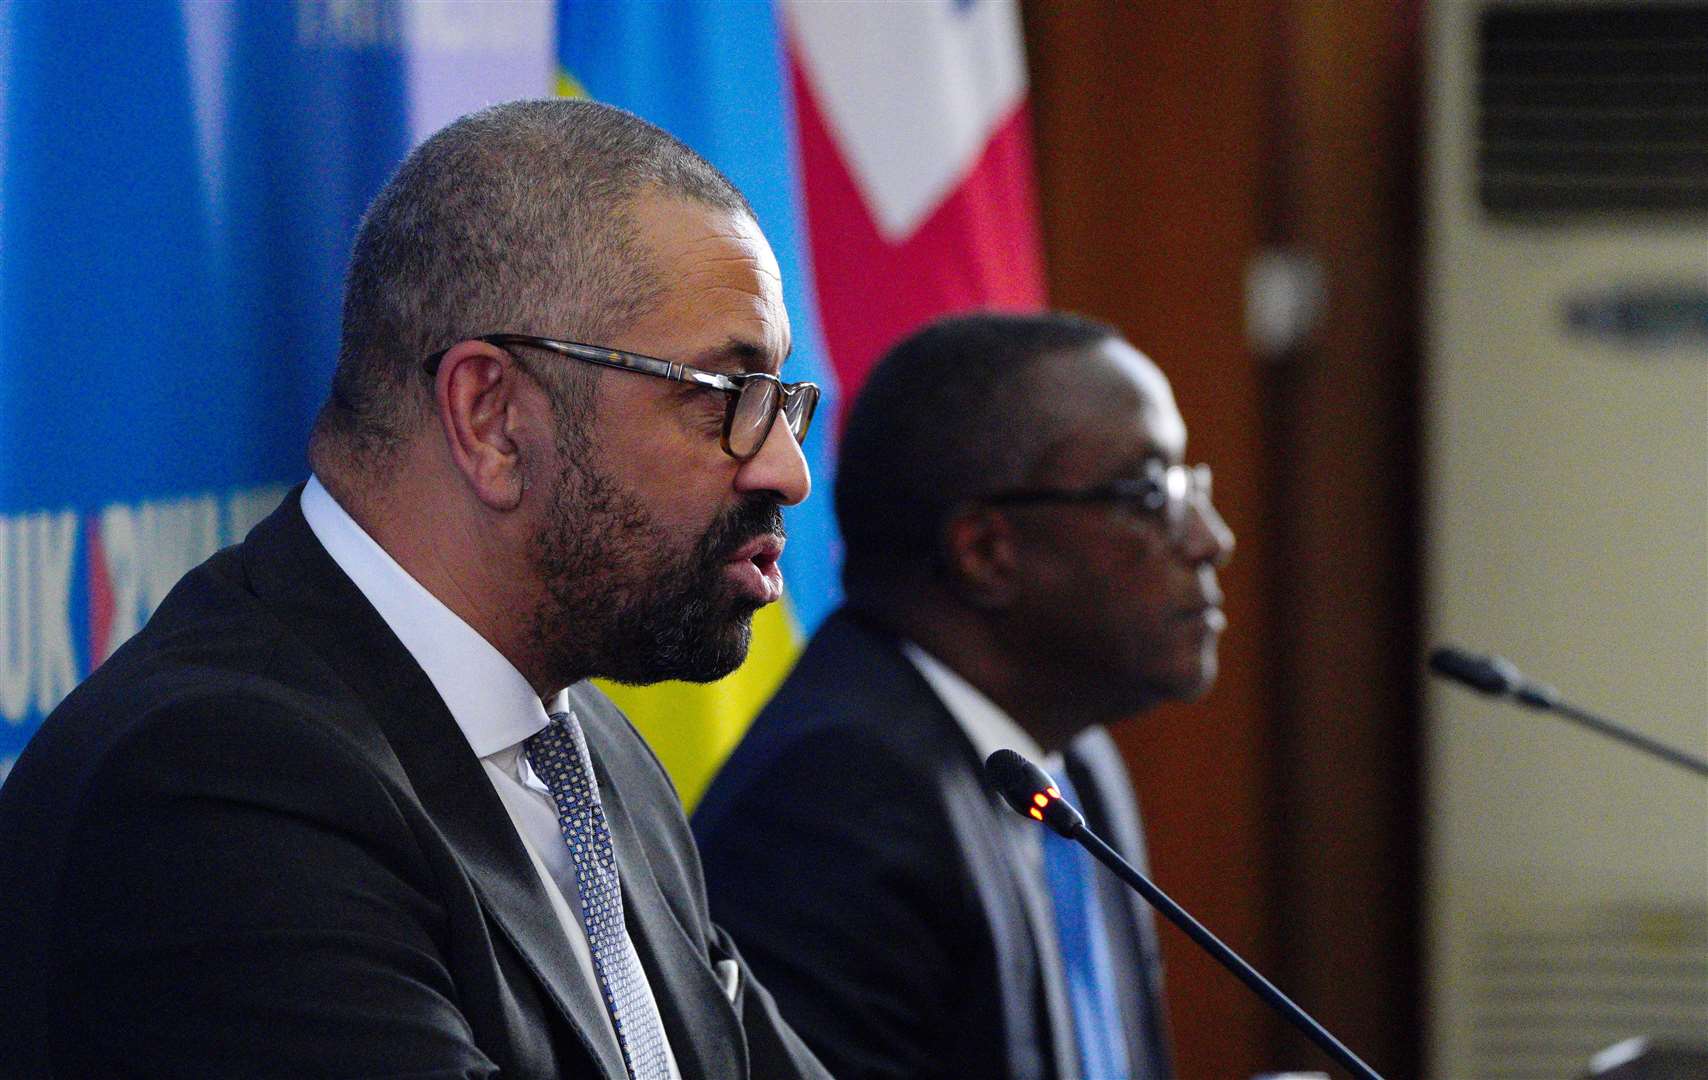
[[1206, 617], [755, 571]]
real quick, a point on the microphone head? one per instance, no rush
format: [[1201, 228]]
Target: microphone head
[[1031, 792], [1490, 674]]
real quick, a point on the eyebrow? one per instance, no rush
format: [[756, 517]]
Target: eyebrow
[[1147, 453]]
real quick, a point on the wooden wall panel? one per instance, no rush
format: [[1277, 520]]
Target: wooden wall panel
[[1147, 174], [1349, 731], [1175, 140]]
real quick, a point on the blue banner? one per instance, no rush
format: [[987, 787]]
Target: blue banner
[[179, 186]]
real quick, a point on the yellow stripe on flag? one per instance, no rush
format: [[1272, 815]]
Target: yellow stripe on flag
[[567, 86], [692, 727]]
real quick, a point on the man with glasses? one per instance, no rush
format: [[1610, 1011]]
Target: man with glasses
[[346, 806], [1028, 559]]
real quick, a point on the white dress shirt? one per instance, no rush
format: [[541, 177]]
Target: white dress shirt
[[989, 729], [490, 700]]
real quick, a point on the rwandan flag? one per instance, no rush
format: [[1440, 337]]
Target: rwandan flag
[[886, 150]]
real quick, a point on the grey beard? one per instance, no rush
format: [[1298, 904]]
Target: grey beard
[[620, 604]]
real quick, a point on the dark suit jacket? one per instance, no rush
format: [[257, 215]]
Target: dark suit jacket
[[255, 843], [854, 852]]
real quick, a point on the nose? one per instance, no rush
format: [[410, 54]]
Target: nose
[[1208, 538], [779, 468]]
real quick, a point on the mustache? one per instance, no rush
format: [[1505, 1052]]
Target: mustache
[[742, 524]]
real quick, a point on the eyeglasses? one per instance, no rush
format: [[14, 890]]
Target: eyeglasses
[[754, 398], [1166, 493]]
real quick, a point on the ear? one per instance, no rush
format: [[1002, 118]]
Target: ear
[[477, 392], [981, 550]]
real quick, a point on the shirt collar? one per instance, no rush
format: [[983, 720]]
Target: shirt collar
[[490, 700], [987, 727], [557, 703]]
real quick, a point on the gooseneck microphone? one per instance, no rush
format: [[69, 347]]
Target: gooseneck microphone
[[1499, 677], [1031, 792]]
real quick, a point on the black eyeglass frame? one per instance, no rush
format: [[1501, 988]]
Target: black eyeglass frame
[[1150, 495], [796, 401]]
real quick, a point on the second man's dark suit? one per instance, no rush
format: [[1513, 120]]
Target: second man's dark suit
[[854, 852], [255, 843]]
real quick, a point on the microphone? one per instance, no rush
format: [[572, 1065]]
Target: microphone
[[1501, 678], [1492, 675], [1031, 793]]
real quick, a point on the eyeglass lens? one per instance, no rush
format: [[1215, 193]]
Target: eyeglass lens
[[751, 418], [798, 409], [1186, 487], [756, 408]]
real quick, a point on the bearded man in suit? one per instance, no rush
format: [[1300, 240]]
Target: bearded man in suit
[[345, 806], [1028, 559]]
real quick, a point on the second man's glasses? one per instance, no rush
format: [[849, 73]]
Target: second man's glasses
[[1167, 494], [754, 399]]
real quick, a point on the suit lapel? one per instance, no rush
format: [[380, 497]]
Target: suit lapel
[[1095, 766], [299, 581], [1001, 838], [704, 1031], [993, 838], [459, 797]]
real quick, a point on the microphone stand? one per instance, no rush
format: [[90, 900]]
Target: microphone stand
[[1229, 959], [1625, 735], [1030, 792]]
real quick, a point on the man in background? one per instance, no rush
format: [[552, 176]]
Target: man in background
[[1028, 559], [345, 806]]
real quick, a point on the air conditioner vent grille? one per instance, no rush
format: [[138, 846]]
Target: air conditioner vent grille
[[1593, 108], [1550, 994]]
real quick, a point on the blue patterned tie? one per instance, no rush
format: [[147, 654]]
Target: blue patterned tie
[[1086, 964], [558, 754]]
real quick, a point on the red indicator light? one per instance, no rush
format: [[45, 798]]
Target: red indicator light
[[1054, 792], [1037, 813], [1041, 800]]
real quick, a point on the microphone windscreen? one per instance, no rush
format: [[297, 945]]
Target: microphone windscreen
[[1015, 778], [1031, 792], [1490, 674]]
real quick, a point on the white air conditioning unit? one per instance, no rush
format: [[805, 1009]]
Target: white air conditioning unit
[[1550, 988], [1567, 477]]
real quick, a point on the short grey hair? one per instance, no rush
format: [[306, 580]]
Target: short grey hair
[[515, 219]]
